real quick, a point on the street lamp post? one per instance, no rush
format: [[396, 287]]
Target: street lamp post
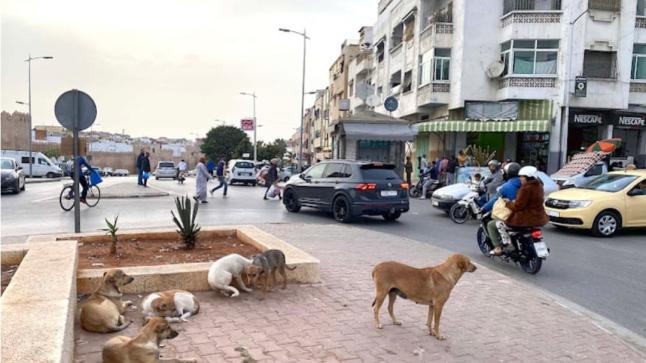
[[305, 38], [255, 126], [28, 60]]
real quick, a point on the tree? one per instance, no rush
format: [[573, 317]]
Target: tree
[[275, 149], [227, 141]]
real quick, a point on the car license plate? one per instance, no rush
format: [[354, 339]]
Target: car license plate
[[436, 203], [245, 174], [552, 213], [388, 193], [541, 249]]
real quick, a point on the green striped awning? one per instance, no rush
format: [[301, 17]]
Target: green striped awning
[[485, 126]]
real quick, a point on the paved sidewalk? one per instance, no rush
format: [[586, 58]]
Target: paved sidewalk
[[488, 318], [130, 190]]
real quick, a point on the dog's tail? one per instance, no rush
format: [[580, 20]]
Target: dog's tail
[[114, 329], [290, 268], [374, 302]]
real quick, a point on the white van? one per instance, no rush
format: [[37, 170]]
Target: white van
[[241, 171], [41, 165], [580, 169]]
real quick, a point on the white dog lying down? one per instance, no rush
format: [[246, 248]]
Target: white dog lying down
[[173, 305], [224, 270]]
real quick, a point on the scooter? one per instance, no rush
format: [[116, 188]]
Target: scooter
[[415, 191], [469, 206], [527, 246]]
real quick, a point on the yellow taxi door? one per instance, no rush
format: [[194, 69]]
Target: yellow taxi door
[[635, 208]]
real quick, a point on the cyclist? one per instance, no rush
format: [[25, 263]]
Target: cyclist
[[82, 180]]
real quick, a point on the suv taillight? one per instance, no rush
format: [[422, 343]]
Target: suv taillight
[[366, 186]]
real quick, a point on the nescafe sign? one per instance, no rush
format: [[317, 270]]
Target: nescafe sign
[[584, 119], [627, 121]]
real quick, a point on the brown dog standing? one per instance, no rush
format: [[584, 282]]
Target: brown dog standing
[[103, 311], [428, 286], [144, 348]]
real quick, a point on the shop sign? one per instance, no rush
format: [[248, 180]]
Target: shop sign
[[587, 119], [630, 121]]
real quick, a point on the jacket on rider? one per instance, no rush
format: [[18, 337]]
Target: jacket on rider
[[493, 182], [507, 190], [527, 209]]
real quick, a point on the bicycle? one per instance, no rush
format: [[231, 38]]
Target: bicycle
[[66, 199]]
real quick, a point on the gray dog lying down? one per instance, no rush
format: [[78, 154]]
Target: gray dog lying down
[[267, 263]]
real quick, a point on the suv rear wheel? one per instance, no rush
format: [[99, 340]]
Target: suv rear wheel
[[291, 202], [341, 209]]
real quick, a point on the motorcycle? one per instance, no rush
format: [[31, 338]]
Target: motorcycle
[[467, 207], [527, 246], [415, 191]]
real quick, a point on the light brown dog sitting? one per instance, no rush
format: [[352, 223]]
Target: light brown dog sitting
[[144, 348], [428, 286], [103, 311]]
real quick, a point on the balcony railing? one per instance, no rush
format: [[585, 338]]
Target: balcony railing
[[608, 5], [531, 5]]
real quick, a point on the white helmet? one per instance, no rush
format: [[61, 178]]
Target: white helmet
[[528, 171]]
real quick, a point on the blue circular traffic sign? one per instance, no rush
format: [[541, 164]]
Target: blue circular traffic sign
[[391, 104]]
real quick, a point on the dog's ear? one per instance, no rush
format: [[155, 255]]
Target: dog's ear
[[147, 320], [462, 264], [105, 273], [162, 307]]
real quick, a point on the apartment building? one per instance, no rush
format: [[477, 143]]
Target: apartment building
[[502, 74]]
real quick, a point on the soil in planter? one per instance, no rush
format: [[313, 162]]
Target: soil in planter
[[7, 274], [134, 251]]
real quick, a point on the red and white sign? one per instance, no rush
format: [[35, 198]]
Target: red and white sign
[[247, 124]]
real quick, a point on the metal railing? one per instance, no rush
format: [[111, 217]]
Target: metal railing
[[531, 5], [608, 5]]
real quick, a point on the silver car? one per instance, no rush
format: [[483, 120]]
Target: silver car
[[166, 169]]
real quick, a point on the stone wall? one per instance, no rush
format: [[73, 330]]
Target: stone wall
[[15, 131]]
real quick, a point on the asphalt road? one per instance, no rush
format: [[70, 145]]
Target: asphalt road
[[605, 276]]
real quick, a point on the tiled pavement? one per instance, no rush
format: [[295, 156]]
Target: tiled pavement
[[489, 317]]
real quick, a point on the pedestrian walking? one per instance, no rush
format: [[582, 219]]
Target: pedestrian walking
[[423, 163], [409, 170], [145, 166], [182, 168], [210, 166], [219, 172], [272, 176], [451, 168], [202, 177], [140, 170]]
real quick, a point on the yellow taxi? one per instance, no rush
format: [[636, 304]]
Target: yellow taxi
[[604, 205]]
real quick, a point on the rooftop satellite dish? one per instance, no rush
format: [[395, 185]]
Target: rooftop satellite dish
[[495, 69], [372, 101]]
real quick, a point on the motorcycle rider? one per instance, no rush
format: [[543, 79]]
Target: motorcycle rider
[[507, 191], [495, 180], [429, 176], [527, 210]]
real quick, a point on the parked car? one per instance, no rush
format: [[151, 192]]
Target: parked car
[[64, 168], [166, 169], [41, 165], [13, 178], [604, 205], [445, 197], [581, 168], [241, 171], [121, 172], [107, 171], [349, 189]]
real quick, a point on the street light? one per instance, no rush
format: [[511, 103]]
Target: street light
[[28, 60], [305, 38], [255, 149]]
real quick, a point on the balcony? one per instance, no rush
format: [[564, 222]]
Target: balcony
[[640, 22], [607, 5], [531, 12], [527, 82], [436, 35], [435, 93], [364, 62]]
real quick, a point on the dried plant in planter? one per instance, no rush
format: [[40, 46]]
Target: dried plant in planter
[[479, 155], [187, 228], [112, 231]]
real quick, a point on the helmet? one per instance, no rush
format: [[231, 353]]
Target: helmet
[[512, 169], [528, 171], [495, 163]]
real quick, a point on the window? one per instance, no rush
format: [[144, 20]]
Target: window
[[316, 171], [408, 81], [638, 70], [598, 64], [409, 27], [380, 47], [425, 62], [42, 162], [641, 5], [351, 88], [522, 56], [336, 170], [530, 5], [395, 80], [441, 64], [25, 160], [608, 5], [397, 36]]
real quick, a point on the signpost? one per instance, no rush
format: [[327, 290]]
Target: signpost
[[75, 110], [391, 104], [580, 87], [247, 124]]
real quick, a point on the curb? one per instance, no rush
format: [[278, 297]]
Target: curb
[[41, 180]]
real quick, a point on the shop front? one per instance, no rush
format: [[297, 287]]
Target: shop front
[[631, 129], [585, 127], [371, 136]]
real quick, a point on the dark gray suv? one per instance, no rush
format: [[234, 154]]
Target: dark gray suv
[[349, 189]]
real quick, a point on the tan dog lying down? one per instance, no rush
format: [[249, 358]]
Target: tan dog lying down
[[173, 305], [103, 311], [428, 286], [144, 348]]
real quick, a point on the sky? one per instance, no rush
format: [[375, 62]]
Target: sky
[[171, 68]]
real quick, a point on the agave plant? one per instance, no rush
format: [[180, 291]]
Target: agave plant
[[479, 155], [112, 231], [187, 228]]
